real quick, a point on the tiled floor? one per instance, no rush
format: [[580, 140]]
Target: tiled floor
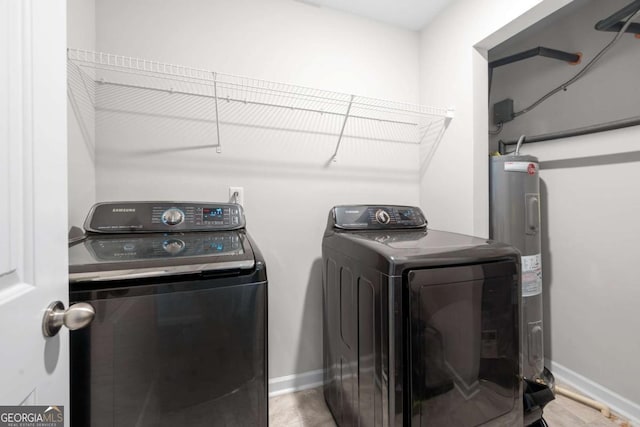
[[308, 409]]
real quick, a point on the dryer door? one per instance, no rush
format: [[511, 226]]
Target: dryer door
[[463, 345]]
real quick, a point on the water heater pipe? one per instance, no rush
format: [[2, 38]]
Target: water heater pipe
[[604, 409], [519, 144], [603, 127]]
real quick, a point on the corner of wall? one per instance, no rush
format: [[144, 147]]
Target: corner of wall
[[458, 77], [81, 33]]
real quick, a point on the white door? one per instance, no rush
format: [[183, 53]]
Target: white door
[[34, 370]]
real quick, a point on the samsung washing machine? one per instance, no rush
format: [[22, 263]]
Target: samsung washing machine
[[421, 327], [179, 336]]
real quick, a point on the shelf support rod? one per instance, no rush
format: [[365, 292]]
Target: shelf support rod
[[90, 142], [571, 58], [92, 99], [426, 159], [215, 100], [614, 22], [344, 124]]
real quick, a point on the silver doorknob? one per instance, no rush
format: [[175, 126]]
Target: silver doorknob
[[75, 317]]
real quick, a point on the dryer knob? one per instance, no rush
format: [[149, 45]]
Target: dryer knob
[[173, 216], [383, 216]]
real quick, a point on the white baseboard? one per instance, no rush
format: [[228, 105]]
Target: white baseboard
[[296, 382], [620, 405]]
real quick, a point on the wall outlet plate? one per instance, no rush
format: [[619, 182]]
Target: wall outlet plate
[[236, 195]]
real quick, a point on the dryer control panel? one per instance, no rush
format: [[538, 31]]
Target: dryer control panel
[[377, 217], [142, 217]]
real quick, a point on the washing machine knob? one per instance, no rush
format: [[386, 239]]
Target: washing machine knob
[[383, 216], [173, 216]]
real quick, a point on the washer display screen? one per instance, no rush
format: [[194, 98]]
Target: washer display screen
[[209, 214]]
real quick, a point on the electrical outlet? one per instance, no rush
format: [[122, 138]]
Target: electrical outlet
[[236, 195]]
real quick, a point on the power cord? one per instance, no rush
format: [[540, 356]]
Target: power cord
[[582, 72], [497, 130]]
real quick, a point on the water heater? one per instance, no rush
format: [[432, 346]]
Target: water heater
[[514, 204], [515, 219]]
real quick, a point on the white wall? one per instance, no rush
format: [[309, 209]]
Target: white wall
[[590, 206], [590, 203], [607, 92], [81, 33], [289, 187], [454, 189], [152, 158]]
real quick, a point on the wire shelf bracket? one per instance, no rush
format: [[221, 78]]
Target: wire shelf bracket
[[334, 158], [215, 98]]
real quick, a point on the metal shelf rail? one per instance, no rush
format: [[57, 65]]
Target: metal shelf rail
[[350, 116]]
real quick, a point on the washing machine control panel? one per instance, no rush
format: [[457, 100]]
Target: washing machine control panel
[[377, 217], [133, 217]]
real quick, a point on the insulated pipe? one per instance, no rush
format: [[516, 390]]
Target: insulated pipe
[[602, 127], [604, 409]]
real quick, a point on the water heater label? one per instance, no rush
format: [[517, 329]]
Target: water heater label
[[531, 275], [526, 167]]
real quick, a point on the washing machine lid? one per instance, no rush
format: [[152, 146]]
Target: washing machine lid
[[102, 257], [137, 239]]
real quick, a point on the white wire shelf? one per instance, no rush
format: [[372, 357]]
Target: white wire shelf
[[243, 100]]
